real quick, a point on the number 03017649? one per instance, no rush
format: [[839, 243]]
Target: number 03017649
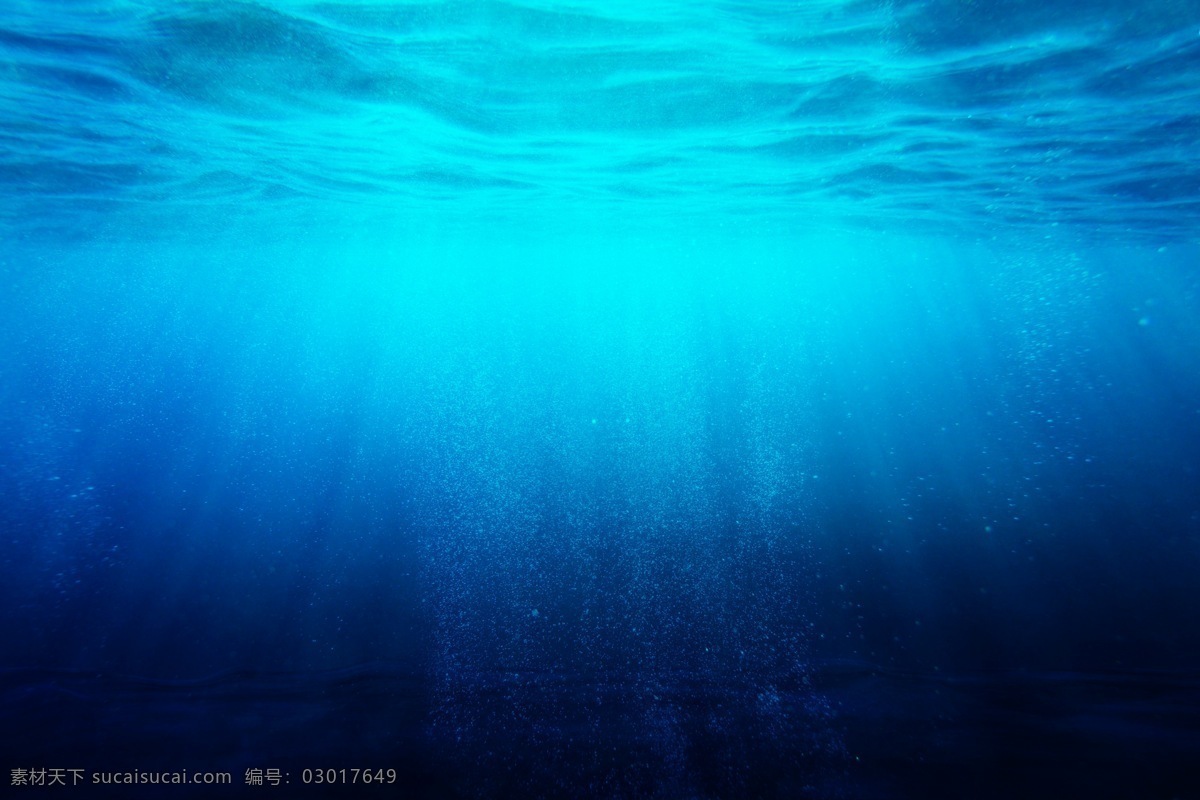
[[348, 776]]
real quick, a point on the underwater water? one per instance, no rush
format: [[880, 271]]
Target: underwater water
[[526, 399]]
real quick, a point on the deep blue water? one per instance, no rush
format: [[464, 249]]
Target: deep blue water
[[617, 400]]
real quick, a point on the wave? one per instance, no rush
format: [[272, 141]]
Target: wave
[[1051, 112]]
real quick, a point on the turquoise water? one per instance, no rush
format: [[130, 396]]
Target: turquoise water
[[774, 115], [678, 400]]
